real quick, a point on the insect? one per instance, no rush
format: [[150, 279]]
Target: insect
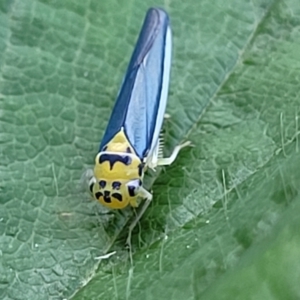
[[132, 140]]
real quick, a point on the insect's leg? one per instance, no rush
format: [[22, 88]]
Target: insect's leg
[[143, 193], [169, 160]]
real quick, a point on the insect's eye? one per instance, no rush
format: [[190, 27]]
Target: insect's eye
[[91, 184], [133, 187]]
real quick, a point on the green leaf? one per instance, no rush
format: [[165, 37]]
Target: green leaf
[[224, 221]]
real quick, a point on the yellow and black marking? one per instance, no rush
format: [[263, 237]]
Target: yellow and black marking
[[118, 173], [113, 158]]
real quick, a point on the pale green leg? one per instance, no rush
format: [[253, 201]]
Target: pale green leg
[[170, 160], [144, 194]]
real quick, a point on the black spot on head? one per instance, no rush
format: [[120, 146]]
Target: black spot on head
[[98, 195], [116, 185], [117, 196], [128, 150], [141, 167], [102, 184], [106, 197], [104, 148]]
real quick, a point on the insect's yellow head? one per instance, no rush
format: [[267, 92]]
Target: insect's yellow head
[[117, 179]]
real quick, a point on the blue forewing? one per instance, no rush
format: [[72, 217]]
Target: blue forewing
[[142, 99]]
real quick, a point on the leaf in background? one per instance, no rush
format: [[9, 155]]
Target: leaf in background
[[223, 223]]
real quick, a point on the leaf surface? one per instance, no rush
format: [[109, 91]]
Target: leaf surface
[[224, 220]]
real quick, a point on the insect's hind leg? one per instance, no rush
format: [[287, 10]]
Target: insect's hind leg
[[169, 160]]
